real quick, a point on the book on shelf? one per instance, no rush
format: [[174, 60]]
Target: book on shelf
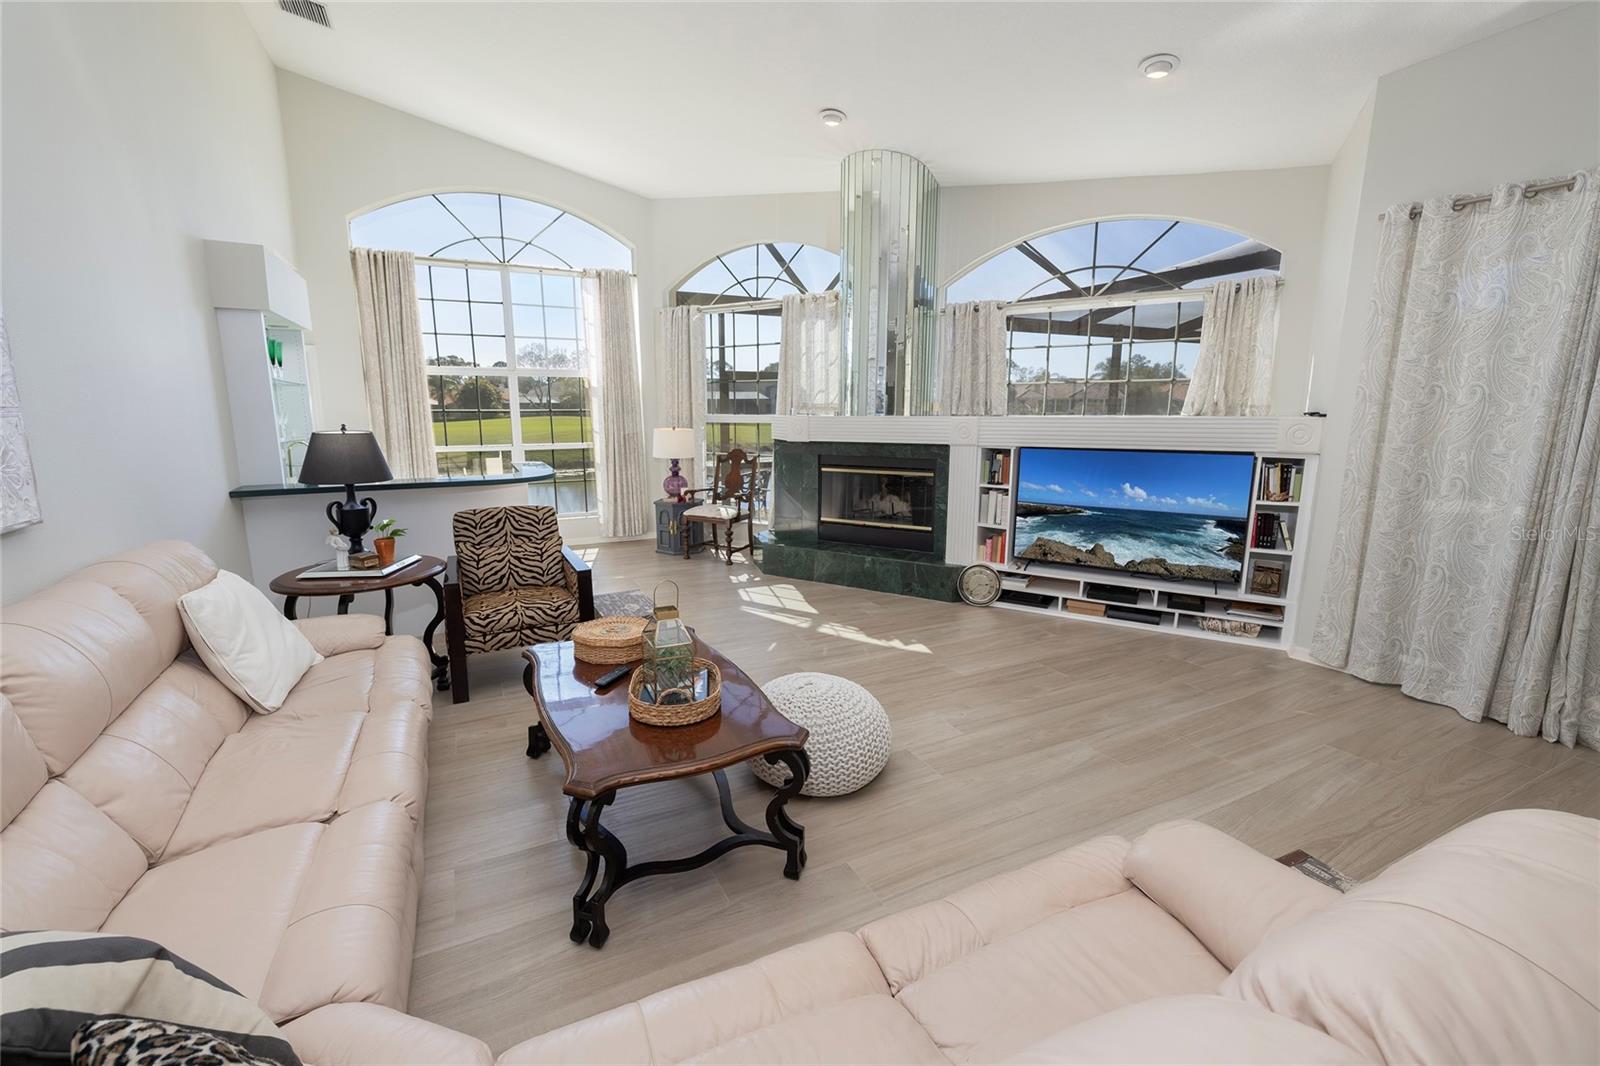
[[992, 508], [997, 471], [1281, 480], [993, 548]]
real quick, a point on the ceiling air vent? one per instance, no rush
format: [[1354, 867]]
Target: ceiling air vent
[[309, 10]]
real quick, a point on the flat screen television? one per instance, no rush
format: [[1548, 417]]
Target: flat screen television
[[1180, 516]]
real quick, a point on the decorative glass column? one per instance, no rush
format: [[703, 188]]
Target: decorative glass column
[[889, 205]]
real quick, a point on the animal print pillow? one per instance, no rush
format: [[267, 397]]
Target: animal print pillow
[[141, 1042]]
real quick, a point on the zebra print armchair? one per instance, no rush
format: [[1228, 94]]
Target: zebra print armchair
[[510, 583]]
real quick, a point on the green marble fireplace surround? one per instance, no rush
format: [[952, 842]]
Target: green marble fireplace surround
[[792, 549]]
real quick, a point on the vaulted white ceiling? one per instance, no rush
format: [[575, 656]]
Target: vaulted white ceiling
[[675, 99]]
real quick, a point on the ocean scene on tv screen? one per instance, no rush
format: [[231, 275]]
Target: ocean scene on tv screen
[[1178, 515]]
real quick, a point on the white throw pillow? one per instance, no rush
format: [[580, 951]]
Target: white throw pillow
[[245, 642]]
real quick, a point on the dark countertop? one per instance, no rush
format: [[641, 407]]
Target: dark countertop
[[529, 472]]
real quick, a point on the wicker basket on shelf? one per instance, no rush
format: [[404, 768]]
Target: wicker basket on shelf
[[609, 641], [676, 713], [1230, 627]]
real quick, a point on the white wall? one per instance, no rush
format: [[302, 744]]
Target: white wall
[[1281, 207], [132, 133], [1521, 104]]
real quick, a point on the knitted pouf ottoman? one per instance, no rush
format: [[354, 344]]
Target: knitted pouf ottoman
[[849, 732]]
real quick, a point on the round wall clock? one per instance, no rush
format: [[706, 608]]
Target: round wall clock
[[979, 584]]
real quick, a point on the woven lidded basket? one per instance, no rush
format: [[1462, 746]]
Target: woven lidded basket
[[609, 641], [676, 713]]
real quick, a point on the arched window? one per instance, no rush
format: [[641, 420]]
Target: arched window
[[498, 298], [1109, 314], [741, 291]]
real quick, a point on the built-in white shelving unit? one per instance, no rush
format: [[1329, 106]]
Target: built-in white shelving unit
[[1184, 608], [262, 314]]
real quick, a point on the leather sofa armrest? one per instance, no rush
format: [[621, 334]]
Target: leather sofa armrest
[[1226, 893], [369, 1034], [580, 581], [336, 634]]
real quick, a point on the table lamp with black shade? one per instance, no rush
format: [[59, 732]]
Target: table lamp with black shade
[[348, 458]]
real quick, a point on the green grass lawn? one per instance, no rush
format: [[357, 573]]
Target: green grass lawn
[[535, 430]]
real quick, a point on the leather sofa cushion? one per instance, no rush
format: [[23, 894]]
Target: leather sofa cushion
[[360, 1034], [66, 864], [1478, 947], [293, 917], [74, 655], [1223, 891], [224, 908], [1016, 957], [1189, 1029], [142, 771], [335, 634], [821, 1001], [23, 771], [274, 771]]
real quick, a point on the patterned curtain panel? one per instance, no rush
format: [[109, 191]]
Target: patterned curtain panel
[[811, 370], [619, 451], [19, 497], [1466, 566], [681, 342], [392, 361], [972, 374], [1233, 370]]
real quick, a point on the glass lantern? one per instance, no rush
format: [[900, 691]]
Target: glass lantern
[[669, 651]]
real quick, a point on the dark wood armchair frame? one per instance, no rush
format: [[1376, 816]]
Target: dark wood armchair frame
[[580, 582], [737, 487]]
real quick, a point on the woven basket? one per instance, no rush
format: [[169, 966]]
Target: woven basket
[[677, 713], [609, 641], [1230, 627]]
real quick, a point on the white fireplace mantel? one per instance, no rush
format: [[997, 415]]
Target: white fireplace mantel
[[1280, 436]]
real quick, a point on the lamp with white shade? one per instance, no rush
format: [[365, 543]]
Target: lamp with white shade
[[674, 443]]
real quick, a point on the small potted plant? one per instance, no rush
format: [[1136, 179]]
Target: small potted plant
[[383, 542]]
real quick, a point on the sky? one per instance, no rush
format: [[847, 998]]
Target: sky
[[1183, 482]]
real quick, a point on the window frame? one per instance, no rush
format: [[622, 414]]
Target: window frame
[[1089, 304], [512, 374]]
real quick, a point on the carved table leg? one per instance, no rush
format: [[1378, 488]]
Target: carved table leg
[[289, 605], [538, 739], [790, 833], [596, 841], [441, 663]]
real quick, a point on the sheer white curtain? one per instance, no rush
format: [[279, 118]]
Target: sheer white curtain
[[391, 359], [811, 371], [1466, 565], [972, 374], [1233, 370], [619, 450], [681, 341]]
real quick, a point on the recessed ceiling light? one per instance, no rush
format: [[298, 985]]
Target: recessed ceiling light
[[1159, 65], [832, 116]]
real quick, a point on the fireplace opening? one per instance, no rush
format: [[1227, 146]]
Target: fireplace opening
[[884, 502]]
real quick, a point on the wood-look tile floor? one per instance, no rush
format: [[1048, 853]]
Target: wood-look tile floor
[[1014, 736]]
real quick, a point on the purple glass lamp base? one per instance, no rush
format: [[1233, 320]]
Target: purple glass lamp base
[[674, 483]]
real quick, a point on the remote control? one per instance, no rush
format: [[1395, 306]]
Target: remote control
[[611, 677]]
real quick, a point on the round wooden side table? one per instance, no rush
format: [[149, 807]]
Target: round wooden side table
[[425, 571]]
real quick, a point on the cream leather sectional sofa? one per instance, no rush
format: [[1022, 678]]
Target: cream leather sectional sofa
[[283, 853]]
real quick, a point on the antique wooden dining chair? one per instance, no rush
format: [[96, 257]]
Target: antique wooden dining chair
[[731, 503]]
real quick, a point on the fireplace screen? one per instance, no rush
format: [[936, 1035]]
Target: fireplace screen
[[876, 502]]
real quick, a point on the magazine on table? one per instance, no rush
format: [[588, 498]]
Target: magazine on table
[[326, 570]]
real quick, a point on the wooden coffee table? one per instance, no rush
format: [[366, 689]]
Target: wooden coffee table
[[604, 750]]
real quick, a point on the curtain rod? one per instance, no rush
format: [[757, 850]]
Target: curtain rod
[[1462, 202]]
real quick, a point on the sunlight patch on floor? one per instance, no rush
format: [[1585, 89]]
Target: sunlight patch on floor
[[786, 597], [838, 629]]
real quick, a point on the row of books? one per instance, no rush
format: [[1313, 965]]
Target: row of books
[[997, 471], [993, 548], [1281, 480], [1271, 532], [992, 508]]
